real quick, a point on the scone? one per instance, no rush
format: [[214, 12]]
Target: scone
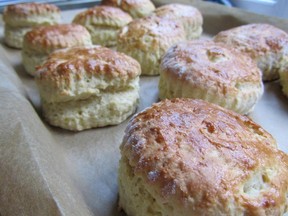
[[189, 157], [136, 8], [103, 23], [190, 17], [21, 18], [86, 87], [41, 41], [202, 69], [147, 39], [264, 43]]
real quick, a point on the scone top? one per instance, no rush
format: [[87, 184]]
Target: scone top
[[103, 15], [31, 13], [203, 58], [196, 158], [45, 39], [151, 34], [136, 8], [80, 72]]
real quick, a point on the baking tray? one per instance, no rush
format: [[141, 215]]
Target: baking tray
[[49, 171]]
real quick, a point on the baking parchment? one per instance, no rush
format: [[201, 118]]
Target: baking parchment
[[46, 170]]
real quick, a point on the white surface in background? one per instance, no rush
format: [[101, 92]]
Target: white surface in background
[[268, 7]]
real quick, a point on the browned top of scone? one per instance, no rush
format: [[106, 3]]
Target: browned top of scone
[[28, 9], [137, 8], [175, 10], [103, 15], [254, 39], [151, 32], [45, 39], [84, 71], [201, 156], [205, 63]]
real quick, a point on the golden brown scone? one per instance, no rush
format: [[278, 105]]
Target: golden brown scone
[[189, 157], [264, 43], [103, 23], [21, 18], [203, 69], [147, 39], [190, 17], [85, 87], [41, 41], [136, 8]]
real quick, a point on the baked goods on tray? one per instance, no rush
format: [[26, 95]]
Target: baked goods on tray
[[190, 17], [103, 23], [21, 18], [136, 8], [264, 43], [41, 41], [202, 69], [86, 87], [190, 157], [147, 39]]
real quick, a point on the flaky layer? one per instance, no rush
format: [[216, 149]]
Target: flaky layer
[[81, 72], [205, 70], [264, 43], [148, 39], [190, 157], [14, 36]]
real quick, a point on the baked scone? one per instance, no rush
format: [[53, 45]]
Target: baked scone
[[41, 41], [190, 17], [147, 39], [203, 69], [85, 87], [21, 18], [189, 157], [264, 43], [136, 8], [103, 23]]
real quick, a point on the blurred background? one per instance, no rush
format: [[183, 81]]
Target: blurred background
[[277, 8]]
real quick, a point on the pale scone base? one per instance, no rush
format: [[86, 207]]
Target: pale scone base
[[13, 36], [30, 61], [95, 111]]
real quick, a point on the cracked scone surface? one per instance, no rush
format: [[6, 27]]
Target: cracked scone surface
[[202, 69], [85, 87], [191, 157]]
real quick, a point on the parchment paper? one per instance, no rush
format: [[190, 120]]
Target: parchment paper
[[45, 170]]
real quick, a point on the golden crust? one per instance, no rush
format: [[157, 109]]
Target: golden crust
[[136, 8], [190, 17], [80, 72], [45, 39], [198, 159], [27, 9], [147, 39], [264, 43], [220, 75], [103, 15]]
